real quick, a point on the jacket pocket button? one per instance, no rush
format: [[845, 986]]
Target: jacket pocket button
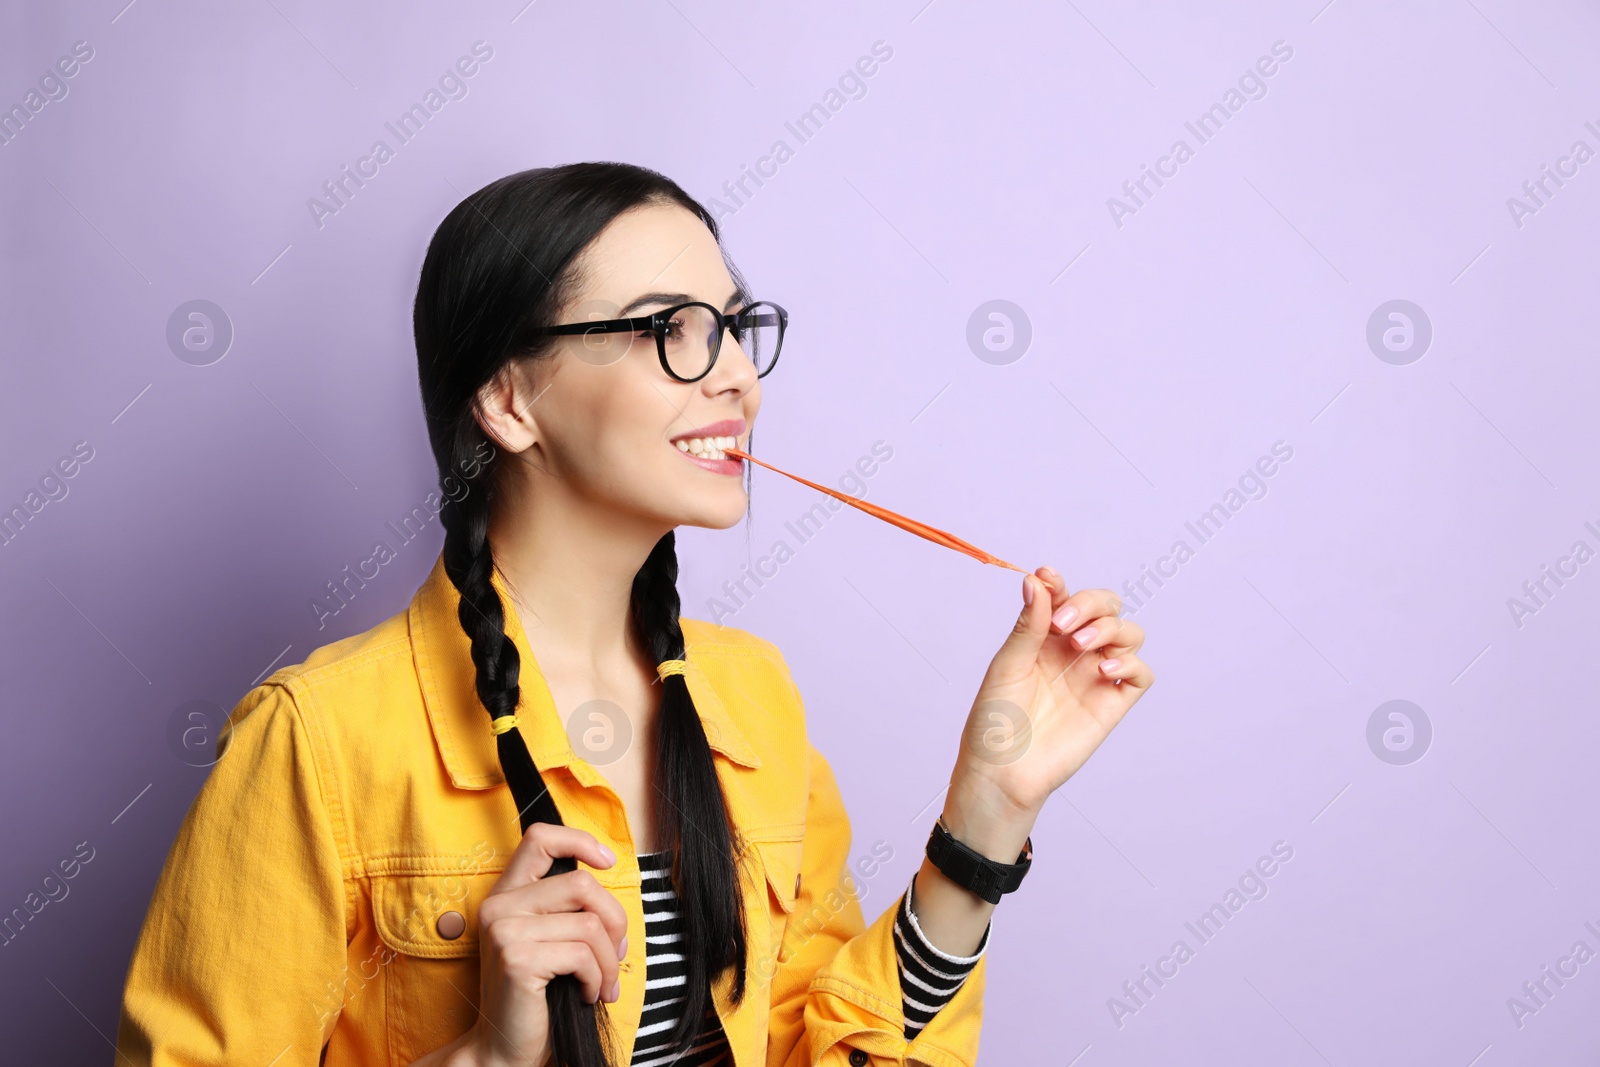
[[857, 1058], [451, 925]]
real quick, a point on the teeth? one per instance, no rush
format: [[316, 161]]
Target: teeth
[[706, 447]]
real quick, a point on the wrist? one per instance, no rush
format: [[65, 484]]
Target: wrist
[[476, 1048], [467, 1052], [459, 1053], [986, 820]]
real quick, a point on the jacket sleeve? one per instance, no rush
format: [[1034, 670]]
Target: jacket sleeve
[[837, 988], [241, 958]]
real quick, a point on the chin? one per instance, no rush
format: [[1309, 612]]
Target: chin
[[716, 517]]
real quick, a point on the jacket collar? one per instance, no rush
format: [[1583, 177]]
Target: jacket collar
[[443, 656]]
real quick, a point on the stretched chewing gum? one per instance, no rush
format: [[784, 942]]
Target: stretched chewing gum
[[937, 536]]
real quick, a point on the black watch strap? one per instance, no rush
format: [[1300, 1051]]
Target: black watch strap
[[973, 870]]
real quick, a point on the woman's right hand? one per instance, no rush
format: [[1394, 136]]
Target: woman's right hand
[[532, 928]]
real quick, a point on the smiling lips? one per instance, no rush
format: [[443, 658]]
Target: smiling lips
[[704, 446]]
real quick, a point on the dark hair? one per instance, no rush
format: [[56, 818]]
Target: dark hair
[[500, 265]]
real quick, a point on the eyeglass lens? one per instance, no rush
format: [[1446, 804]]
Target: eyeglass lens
[[691, 336]]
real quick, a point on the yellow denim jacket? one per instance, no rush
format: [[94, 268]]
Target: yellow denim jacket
[[359, 799]]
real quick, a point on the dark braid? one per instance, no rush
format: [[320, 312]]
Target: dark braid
[[687, 813], [468, 562], [581, 1033], [498, 265]]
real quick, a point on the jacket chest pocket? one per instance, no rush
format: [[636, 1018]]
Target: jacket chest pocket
[[780, 860], [780, 869], [428, 927]]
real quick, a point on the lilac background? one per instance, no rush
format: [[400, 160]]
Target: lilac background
[[1229, 312]]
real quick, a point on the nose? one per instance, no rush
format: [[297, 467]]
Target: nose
[[734, 368]]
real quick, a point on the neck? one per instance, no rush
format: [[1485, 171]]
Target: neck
[[570, 568]]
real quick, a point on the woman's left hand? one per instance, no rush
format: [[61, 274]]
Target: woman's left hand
[[1050, 696]]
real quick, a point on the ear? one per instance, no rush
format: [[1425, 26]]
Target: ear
[[505, 405]]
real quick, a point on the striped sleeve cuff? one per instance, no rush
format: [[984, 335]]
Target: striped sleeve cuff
[[928, 977]]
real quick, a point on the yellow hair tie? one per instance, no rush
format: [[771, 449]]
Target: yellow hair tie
[[503, 723], [668, 667]]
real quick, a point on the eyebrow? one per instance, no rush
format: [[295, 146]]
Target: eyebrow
[[668, 299]]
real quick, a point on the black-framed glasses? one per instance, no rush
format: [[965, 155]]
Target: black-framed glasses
[[688, 336]]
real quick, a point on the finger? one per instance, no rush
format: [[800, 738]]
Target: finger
[[528, 952], [600, 965], [574, 892], [1058, 586], [1131, 671], [1083, 607], [542, 843], [1021, 648], [1104, 633], [1129, 637]]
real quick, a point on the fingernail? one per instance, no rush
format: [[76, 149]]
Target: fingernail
[[1085, 635], [1027, 591], [622, 948], [1064, 617], [1109, 665], [610, 857], [1050, 573], [616, 991]]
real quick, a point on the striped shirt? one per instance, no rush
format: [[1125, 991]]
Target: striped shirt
[[664, 974], [928, 977]]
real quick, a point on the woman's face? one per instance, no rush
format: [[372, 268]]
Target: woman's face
[[606, 416]]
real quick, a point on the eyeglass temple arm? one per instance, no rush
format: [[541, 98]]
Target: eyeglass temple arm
[[646, 322]]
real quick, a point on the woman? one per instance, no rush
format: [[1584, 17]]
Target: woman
[[383, 867]]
